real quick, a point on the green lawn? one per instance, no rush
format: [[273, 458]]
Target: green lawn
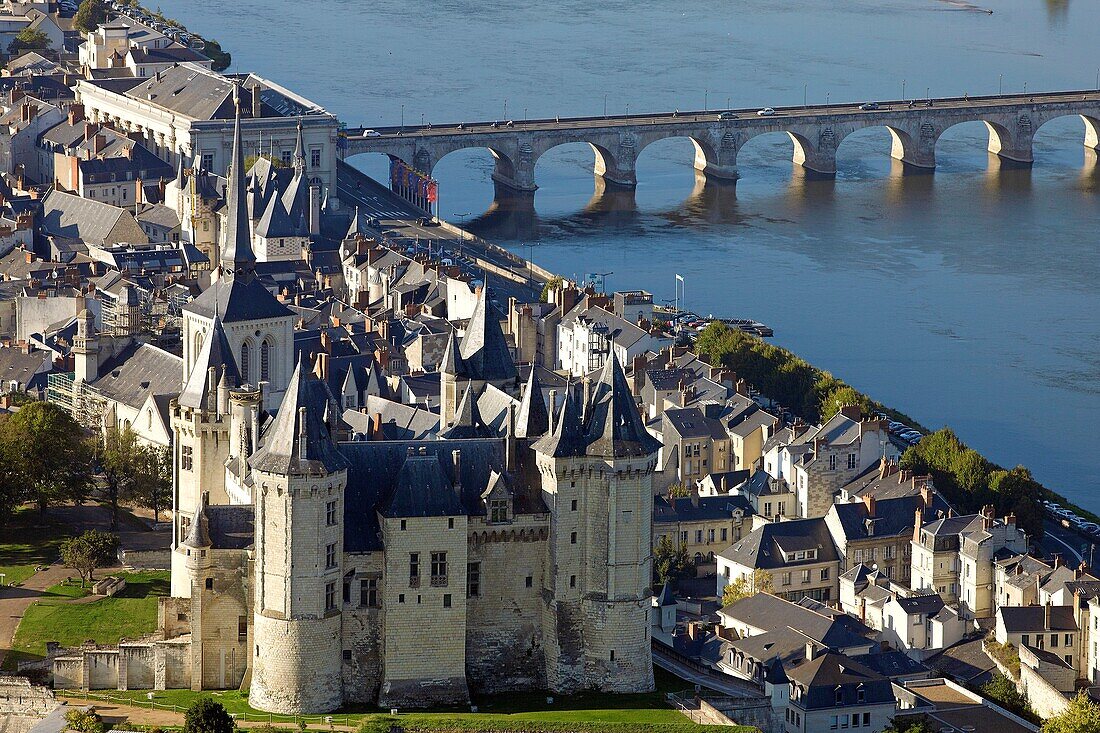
[[131, 613], [69, 590], [16, 574], [526, 711], [29, 542]]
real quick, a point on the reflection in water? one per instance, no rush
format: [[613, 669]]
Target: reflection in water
[[1057, 11]]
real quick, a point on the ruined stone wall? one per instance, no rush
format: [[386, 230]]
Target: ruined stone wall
[[136, 667], [101, 670], [362, 631], [503, 618], [424, 660]]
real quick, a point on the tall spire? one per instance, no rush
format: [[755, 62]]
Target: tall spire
[[299, 159], [237, 254]]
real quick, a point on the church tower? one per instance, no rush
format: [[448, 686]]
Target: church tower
[[597, 479], [299, 481], [86, 348]]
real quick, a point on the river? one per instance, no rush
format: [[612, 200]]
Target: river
[[966, 297]]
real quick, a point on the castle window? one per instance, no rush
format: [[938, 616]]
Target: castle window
[[450, 523], [439, 569], [401, 598], [330, 513], [242, 628], [330, 596], [832, 463], [330, 556], [245, 362], [446, 600], [473, 579], [187, 458], [265, 361], [612, 655], [414, 569], [528, 581], [851, 460], [404, 526], [347, 655], [573, 505], [368, 592], [572, 538], [498, 510], [315, 158], [347, 591], [285, 157], [210, 584], [208, 164]]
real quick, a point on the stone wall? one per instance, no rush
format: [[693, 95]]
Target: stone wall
[[361, 633], [1043, 697], [19, 697], [503, 618]]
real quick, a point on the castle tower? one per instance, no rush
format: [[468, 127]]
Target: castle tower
[[200, 430], [300, 479], [196, 562], [86, 348], [597, 479]]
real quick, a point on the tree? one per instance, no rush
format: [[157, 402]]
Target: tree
[[551, 285], [1003, 691], [251, 161], [90, 15], [678, 490], [213, 51], [669, 560], [119, 457], [86, 552], [207, 716], [152, 484], [759, 582], [46, 450], [28, 39], [910, 724], [84, 721], [1082, 716], [843, 396]]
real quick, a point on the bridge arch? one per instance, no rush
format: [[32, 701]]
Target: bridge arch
[[1091, 123], [1008, 136], [818, 156], [906, 145], [613, 157], [504, 165]]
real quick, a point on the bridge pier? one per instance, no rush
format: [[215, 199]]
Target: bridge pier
[[1012, 140], [815, 161], [616, 169], [914, 150]]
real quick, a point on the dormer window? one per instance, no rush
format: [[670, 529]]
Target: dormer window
[[498, 510], [839, 696]]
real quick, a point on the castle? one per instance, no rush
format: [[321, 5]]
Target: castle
[[315, 572]]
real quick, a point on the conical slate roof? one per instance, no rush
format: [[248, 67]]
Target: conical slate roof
[[614, 426], [237, 255], [567, 440], [215, 352], [298, 441], [452, 360], [483, 348], [533, 419], [358, 225], [198, 534], [468, 422], [667, 597]]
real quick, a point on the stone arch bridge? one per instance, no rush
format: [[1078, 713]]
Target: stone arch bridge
[[816, 132]]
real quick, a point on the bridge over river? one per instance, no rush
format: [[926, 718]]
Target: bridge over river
[[718, 135]]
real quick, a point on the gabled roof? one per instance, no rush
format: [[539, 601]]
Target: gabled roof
[[423, 490], [763, 548], [926, 605], [298, 440], [533, 419], [1029, 619]]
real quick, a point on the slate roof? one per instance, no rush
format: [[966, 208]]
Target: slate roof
[[138, 371], [690, 422], [234, 299], [237, 254], [483, 349], [893, 517], [75, 217], [763, 547], [614, 426], [771, 613], [1027, 619], [700, 508], [375, 466], [823, 675], [423, 490], [926, 605], [399, 422], [892, 663], [532, 419], [468, 422], [298, 440], [217, 353]]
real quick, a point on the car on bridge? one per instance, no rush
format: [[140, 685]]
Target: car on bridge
[[728, 116], [371, 133], [766, 112], [869, 106]]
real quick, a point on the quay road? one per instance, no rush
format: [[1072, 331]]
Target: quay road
[[816, 131], [410, 227]]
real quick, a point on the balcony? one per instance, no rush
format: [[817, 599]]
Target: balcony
[[414, 581], [439, 581]]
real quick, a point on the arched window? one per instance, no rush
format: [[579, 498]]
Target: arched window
[[245, 361], [265, 361]]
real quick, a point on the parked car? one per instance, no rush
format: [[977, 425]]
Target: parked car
[[766, 112]]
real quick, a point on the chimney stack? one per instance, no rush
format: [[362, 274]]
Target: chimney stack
[[553, 410], [869, 501], [1046, 616]]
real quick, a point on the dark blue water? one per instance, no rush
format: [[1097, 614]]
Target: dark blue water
[[967, 297]]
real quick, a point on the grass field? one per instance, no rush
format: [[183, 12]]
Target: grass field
[[29, 542], [69, 590], [131, 613], [529, 712]]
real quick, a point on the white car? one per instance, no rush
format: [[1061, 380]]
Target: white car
[[766, 112], [371, 133]]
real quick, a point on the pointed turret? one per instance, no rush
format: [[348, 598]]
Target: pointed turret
[[613, 425], [567, 440], [299, 159], [198, 534], [483, 347], [237, 254], [452, 358], [299, 440], [216, 354], [468, 422], [533, 419], [357, 226], [181, 177]]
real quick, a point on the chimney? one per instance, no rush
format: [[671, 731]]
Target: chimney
[[302, 437], [376, 426], [510, 440], [1010, 520], [722, 484], [918, 519], [553, 409], [811, 651], [456, 464], [883, 468], [852, 412], [587, 387], [869, 500], [315, 207], [926, 495], [322, 363], [89, 130], [1046, 616], [256, 102], [76, 113], [99, 142], [1057, 560]]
